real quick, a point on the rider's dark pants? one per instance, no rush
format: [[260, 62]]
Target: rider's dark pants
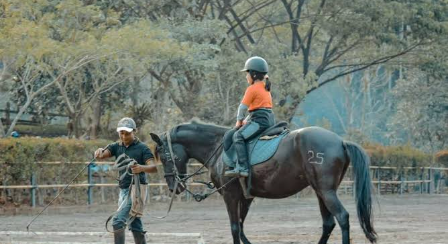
[[259, 121]]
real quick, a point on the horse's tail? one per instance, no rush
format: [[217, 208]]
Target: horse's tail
[[363, 185]]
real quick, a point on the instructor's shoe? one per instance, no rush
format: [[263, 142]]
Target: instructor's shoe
[[119, 237], [139, 237]]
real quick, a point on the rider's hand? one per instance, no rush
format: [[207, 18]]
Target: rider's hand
[[238, 124], [99, 153], [136, 168], [244, 122]]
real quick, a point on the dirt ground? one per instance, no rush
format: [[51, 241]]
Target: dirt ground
[[406, 219]]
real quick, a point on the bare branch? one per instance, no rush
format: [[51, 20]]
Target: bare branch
[[252, 10], [367, 65]]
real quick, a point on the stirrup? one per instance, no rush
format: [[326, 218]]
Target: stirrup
[[242, 170], [232, 173], [244, 173]]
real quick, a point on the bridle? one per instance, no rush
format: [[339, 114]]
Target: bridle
[[171, 157]]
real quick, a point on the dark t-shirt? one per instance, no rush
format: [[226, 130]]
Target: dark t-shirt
[[138, 151]]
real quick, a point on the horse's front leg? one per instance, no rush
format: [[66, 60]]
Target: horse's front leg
[[244, 209], [232, 205]]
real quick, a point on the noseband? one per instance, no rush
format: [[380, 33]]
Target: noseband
[[177, 180], [171, 157]]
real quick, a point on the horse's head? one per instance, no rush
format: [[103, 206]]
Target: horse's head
[[174, 161]]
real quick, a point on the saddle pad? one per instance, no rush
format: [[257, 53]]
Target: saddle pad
[[258, 153]]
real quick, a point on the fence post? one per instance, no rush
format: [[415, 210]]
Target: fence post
[[401, 183], [103, 194], [421, 180], [378, 176], [429, 181], [188, 196], [442, 181], [89, 181], [345, 190], [33, 189], [353, 183]]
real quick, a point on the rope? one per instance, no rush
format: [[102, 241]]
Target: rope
[[135, 179], [60, 192]]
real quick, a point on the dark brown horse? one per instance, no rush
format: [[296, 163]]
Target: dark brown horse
[[309, 156]]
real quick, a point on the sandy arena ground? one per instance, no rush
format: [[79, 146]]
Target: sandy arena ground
[[407, 219]]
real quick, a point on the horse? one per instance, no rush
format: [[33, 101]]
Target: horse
[[311, 156]]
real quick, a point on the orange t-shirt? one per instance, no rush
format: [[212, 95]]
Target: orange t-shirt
[[256, 97]]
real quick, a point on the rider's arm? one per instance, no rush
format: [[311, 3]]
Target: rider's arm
[[247, 100], [242, 109]]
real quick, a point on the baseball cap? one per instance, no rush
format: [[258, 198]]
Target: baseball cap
[[126, 124]]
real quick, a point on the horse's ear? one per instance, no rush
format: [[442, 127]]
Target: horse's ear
[[156, 138]]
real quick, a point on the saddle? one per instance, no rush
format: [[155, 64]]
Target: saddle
[[259, 149]]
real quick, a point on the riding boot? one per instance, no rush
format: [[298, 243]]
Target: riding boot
[[139, 237], [233, 172], [240, 169], [119, 236], [244, 172]]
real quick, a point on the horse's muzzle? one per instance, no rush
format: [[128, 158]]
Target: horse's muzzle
[[180, 188]]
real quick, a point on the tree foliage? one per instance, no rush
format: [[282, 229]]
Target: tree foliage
[[174, 60], [422, 111]]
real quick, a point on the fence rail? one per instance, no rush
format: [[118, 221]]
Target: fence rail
[[426, 180]]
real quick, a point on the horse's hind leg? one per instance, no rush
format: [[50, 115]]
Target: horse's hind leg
[[244, 209], [328, 222], [332, 203]]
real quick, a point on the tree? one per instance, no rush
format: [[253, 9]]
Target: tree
[[333, 39], [361, 103], [28, 48], [182, 58], [184, 75], [422, 111]]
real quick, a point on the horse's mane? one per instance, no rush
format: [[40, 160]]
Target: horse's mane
[[204, 127]]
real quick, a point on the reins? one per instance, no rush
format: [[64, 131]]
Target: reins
[[178, 180]]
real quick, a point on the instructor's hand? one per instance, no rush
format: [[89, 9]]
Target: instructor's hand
[[136, 168], [99, 153]]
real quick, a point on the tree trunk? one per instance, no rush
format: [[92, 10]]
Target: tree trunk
[[8, 115], [77, 125], [19, 114], [96, 119], [74, 125], [135, 88], [292, 108], [2, 129]]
